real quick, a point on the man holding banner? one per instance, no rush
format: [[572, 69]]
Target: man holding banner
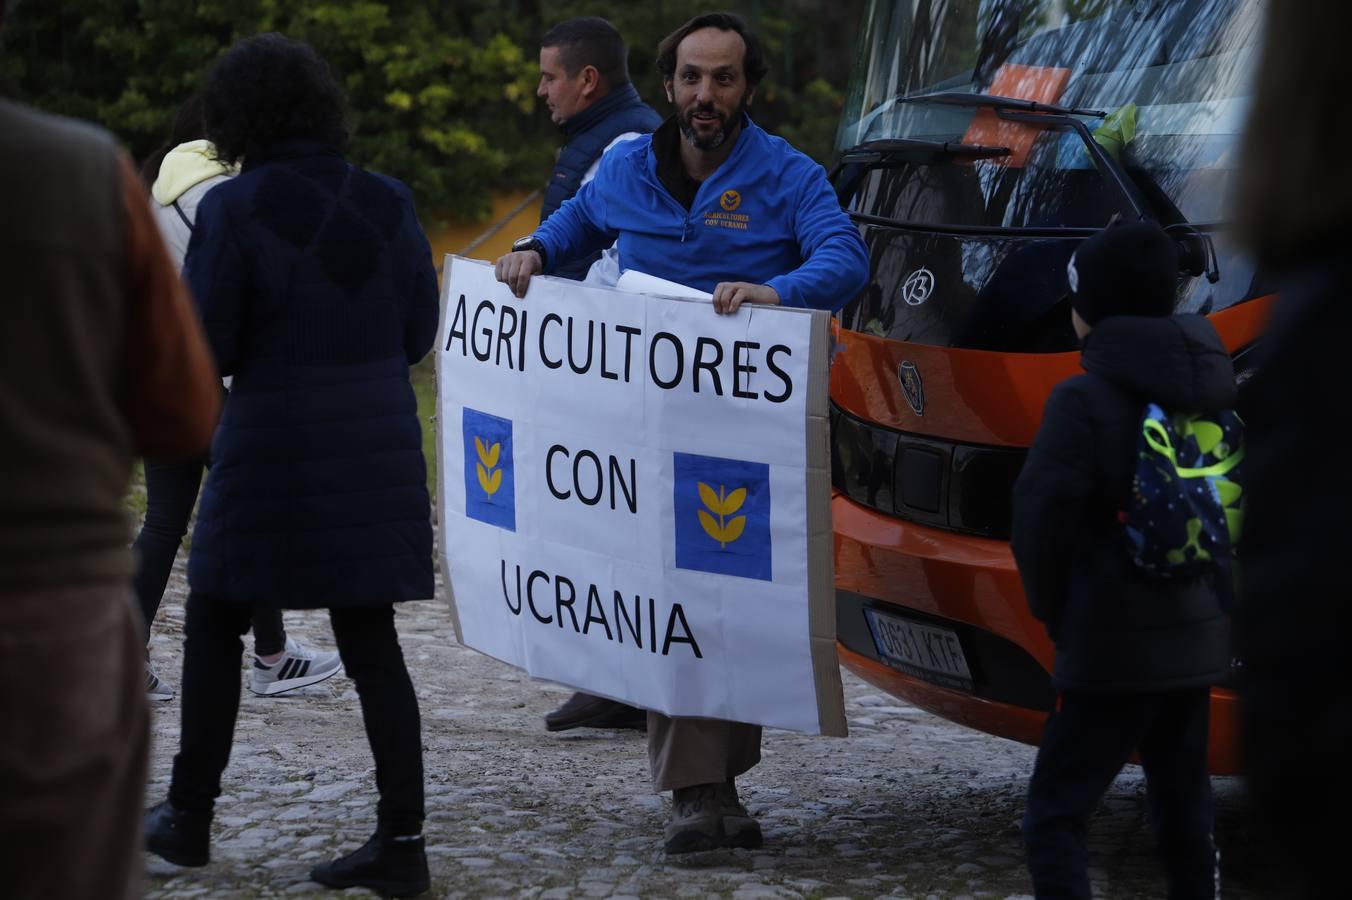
[[711, 201]]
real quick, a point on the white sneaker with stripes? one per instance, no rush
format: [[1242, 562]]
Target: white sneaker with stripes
[[156, 690], [298, 668]]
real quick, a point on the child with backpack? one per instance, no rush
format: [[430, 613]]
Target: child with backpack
[[1123, 519]]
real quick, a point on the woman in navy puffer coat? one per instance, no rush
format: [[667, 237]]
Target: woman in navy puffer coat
[[317, 291]]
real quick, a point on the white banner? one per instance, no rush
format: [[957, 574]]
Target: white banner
[[634, 496]]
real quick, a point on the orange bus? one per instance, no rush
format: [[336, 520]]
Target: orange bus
[[981, 141]]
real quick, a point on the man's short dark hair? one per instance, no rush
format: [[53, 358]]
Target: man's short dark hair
[[267, 89], [753, 64], [590, 41]]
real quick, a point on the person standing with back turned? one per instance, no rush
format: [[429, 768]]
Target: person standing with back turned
[[101, 359], [1136, 655], [1293, 620], [317, 290], [179, 174]]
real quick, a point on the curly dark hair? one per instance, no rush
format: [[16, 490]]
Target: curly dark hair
[[269, 88], [753, 61]]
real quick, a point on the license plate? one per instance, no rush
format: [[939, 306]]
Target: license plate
[[927, 651]]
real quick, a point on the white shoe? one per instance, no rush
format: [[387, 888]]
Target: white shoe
[[156, 690], [299, 667]]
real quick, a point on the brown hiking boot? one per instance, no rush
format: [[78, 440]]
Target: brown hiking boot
[[695, 820], [739, 828]]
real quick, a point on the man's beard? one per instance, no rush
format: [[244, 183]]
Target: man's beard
[[716, 140]]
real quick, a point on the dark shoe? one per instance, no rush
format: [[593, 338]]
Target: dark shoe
[[623, 716], [696, 823], [585, 711], [181, 837], [739, 829], [391, 868]]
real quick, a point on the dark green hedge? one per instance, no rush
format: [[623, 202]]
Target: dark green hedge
[[442, 94]]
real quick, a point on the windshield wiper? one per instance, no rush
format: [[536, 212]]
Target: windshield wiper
[[856, 161], [911, 150], [1014, 109], [995, 101]]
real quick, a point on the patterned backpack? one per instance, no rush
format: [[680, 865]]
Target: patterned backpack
[[1185, 511]]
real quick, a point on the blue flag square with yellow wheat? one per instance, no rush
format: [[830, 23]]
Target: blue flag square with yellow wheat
[[490, 484], [722, 516]]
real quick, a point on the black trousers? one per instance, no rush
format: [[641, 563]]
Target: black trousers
[[369, 647], [1089, 738], [171, 491]]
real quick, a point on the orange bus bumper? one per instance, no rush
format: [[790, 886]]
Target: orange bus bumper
[[972, 581]]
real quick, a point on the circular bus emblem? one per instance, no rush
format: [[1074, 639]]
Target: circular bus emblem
[[917, 287]]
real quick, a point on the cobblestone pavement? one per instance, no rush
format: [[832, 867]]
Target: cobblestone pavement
[[909, 805]]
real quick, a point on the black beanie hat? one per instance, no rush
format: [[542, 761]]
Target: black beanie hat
[[1126, 269]]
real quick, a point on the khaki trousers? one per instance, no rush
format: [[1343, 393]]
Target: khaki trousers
[[74, 743], [685, 752]]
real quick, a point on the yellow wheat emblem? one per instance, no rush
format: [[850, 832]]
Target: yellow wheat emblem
[[490, 476], [723, 529]]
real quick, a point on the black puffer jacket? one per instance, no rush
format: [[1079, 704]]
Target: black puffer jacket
[[317, 292], [1115, 629]]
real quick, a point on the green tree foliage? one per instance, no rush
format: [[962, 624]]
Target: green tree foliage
[[442, 94]]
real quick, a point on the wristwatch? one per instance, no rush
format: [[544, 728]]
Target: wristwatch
[[529, 242]]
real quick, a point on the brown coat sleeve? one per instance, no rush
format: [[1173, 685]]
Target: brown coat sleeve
[[174, 393]]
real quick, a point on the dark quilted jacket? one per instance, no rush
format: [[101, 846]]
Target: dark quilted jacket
[[317, 291], [1114, 628]]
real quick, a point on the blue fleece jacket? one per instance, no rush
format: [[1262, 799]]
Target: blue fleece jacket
[[767, 215]]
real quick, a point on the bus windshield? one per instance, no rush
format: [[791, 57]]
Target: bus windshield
[[1175, 73], [1172, 77]]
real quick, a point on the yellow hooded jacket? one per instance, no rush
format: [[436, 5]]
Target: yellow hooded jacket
[[186, 174]]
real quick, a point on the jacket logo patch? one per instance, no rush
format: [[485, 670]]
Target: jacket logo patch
[[730, 201]]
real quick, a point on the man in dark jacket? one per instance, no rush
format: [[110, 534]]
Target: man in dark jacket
[[1134, 656], [584, 78]]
